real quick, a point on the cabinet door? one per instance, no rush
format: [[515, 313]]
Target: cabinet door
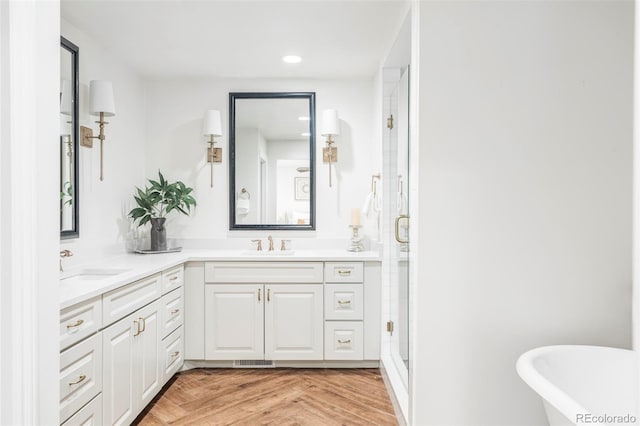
[[147, 345], [293, 322], [131, 374], [234, 322], [119, 401]]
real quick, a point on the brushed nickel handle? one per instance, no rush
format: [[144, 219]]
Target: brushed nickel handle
[[80, 380], [259, 247], [144, 324], [138, 331], [344, 302], [344, 341], [175, 311], [344, 272], [77, 324], [259, 291], [175, 354], [268, 295], [398, 219], [175, 277]]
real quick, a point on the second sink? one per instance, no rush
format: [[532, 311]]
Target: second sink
[[95, 273]]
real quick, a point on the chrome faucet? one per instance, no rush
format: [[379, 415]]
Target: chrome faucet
[[270, 238], [64, 253]]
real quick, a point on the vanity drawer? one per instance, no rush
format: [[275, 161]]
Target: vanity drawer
[[263, 272], [173, 354], [79, 321], [80, 375], [172, 311], [89, 415], [343, 340], [343, 272], [172, 279], [343, 302], [121, 302]]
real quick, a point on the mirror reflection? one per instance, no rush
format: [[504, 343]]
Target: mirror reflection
[[68, 139], [272, 146]]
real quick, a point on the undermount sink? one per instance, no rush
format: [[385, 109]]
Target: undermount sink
[[269, 253], [94, 274]]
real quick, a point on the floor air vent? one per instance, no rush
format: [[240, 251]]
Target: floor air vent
[[257, 363]]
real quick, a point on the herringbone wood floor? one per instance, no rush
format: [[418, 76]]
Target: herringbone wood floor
[[272, 397]]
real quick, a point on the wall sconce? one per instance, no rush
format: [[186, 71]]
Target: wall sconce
[[212, 127], [100, 103], [330, 127]]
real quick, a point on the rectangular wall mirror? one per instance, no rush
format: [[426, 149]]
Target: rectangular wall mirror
[[271, 160], [69, 181]]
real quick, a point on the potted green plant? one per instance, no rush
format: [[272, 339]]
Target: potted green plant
[[158, 200]]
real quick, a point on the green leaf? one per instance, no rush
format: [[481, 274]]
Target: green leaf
[[159, 199]]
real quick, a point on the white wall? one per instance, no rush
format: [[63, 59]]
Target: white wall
[[29, 213], [174, 144], [104, 205], [636, 194], [524, 207]]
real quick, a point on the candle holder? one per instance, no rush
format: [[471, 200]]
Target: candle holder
[[356, 241]]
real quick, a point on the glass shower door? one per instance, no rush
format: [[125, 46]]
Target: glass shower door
[[397, 214]]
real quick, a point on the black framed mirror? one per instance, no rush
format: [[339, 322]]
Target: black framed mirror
[[271, 161], [69, 112]]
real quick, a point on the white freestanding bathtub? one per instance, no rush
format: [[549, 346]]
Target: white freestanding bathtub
[[582, 385]]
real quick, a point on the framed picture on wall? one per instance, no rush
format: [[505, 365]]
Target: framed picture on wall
[[302, 189]]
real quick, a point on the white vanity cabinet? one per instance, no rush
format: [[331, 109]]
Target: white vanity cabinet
[[81, 359], [234, 321], [263, 310], [143, 349], [344, 311], [132, 373], [120, 348], [293, 322]]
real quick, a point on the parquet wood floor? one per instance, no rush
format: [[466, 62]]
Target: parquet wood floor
[[282, 396]]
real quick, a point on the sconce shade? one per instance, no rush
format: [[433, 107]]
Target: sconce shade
[[212, 124], [65, 125], [330, 122], [101, 98], [65, 98]]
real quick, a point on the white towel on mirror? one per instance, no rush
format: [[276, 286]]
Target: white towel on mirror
[[243, 206]]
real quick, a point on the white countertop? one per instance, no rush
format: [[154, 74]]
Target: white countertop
[[138, 266]]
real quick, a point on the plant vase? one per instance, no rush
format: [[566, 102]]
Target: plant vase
[[158, 234]]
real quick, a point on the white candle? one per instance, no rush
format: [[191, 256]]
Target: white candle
[[355, 217]]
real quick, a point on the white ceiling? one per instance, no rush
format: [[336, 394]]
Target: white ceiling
[[239, 38]]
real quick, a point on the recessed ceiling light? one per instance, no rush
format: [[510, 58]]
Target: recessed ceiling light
[[305, 134], [303, 118], [292, 59]]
